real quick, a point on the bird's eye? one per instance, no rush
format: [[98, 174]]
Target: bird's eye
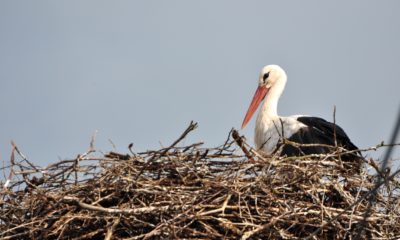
[[265, 76]]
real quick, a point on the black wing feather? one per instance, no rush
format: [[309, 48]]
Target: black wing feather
[[319, 131], [328, 129]]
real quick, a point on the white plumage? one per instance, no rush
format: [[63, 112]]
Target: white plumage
[[271, 128]]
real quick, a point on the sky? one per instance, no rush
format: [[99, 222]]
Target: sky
[[139, 71]]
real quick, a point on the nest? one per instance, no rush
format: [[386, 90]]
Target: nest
[[191, 192]]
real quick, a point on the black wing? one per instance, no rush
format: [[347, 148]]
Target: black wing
[[319, 131]]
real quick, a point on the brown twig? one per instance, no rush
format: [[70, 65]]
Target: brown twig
[[239, 141], [194, 192]]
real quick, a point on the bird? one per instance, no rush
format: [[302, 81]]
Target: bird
[[271, 129]]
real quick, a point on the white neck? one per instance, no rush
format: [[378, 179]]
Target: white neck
[[270, 106], [266, 117]]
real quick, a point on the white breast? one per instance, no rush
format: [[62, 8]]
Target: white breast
[[270, 130]]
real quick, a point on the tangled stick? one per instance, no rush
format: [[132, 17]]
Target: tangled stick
[[191, 191]]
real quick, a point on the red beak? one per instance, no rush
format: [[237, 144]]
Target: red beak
[[257, 99]]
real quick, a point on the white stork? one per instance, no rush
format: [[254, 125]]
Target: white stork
[[271, 128]]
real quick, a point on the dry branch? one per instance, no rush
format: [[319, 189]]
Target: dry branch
[[187, 192]]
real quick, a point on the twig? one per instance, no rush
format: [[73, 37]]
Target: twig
[[135, 211], [191, 127], [239, 141], [191, 191], [380, 179], [111, 229]]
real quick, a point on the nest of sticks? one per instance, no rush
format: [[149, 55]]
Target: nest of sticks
[[191, 192]]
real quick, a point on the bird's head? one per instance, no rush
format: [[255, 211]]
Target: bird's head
[[271, 77]]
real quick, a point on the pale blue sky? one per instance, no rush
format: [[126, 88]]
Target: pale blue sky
[[139, 71]]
